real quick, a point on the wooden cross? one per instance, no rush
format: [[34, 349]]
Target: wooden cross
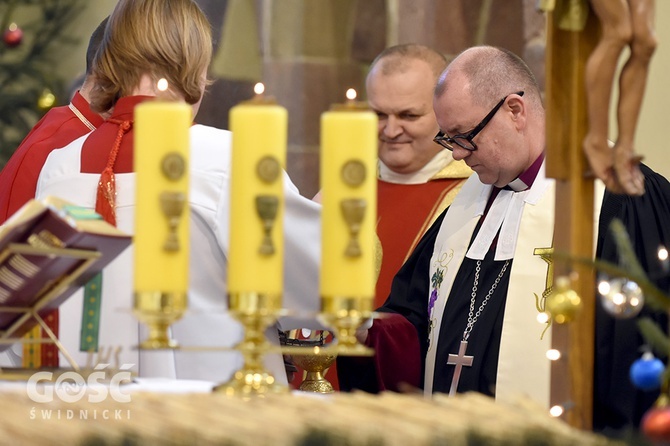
[[566, 55], [459, 361]]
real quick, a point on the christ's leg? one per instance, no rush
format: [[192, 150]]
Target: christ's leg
[[600, 71], [632, 83]]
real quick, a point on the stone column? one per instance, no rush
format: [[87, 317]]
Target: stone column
[[451, 26], [307, 65], [308, 52]]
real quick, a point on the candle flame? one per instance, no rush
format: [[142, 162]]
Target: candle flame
[[259, 88], [351, 94], [162, 84]]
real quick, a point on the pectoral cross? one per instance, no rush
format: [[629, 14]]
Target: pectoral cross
[[459, 361]]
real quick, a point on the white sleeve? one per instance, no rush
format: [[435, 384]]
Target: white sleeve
[[302, 259]]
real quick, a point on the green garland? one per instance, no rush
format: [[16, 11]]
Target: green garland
[[27, 70]]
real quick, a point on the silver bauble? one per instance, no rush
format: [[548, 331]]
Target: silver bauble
[[621, 298]]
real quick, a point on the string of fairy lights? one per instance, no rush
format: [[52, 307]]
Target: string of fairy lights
[[621, 298]]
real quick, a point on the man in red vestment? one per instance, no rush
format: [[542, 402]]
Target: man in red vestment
[[417, 178], [59, 127], [18, 179]]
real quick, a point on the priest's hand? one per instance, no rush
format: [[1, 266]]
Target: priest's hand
[[362, 335]]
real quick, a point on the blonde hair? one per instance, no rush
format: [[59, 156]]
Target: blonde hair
[[163, 39]]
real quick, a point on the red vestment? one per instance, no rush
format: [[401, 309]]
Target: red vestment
[[59, 127], [404, 213], [18, 180]]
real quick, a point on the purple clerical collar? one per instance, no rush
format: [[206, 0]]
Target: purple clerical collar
[[526, 179]]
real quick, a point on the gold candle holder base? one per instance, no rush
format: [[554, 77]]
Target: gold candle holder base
[[251, 382], [255, 312], [158, 310], [344, 315]]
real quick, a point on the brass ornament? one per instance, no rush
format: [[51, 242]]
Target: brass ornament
[[353, 211], [46, 100], [353, 173], [266, 207], [563, 304], [268, 169], [173, 166], [172, 204]]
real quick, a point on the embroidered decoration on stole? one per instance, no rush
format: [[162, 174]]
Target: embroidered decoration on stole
[[441, 265]]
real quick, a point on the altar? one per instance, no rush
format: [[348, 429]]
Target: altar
[[186, 412]]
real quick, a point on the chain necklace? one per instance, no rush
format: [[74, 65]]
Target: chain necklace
[[472, 319], [460, 359]]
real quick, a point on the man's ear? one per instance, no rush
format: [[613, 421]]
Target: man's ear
[[518, 108]]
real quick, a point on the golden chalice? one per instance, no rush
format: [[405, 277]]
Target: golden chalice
[[315, 361]]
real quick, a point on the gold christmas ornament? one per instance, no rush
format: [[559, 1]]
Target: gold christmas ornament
[[563, 303], [46, 100]]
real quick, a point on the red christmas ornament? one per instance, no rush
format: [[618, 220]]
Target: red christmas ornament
[[656, 424], [13, 36]]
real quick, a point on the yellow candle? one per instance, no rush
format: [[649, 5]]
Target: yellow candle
[[259, 128], [349, 199], [161, 155]]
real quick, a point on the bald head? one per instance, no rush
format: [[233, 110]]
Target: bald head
[[490, 73], [488, 99], [398, 59]]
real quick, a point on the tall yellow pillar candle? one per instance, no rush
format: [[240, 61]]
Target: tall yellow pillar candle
[[161, 156], [349, 199], [259, 127]]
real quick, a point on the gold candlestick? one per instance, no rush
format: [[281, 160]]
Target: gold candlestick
[[345, 315], [349, 198], [159, 310], [256, 254], [255, 312], [162, 217]]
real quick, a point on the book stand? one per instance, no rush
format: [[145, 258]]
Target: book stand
[[53, 288]]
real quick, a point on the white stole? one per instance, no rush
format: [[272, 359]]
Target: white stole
[[527, 223]]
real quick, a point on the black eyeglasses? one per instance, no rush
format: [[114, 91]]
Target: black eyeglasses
[[465, 140]]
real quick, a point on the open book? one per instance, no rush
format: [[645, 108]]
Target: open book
[[48, 249]]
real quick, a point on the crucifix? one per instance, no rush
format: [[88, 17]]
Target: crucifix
[[568, 48], [459, 361]]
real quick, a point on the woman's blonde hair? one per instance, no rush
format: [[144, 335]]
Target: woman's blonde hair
[[168, 39]]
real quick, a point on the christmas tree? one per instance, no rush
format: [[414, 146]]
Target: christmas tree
[[31, 30], [624, 288]]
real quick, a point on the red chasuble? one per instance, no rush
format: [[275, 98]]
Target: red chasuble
[[18, 180], [59, 127], [405, 212]]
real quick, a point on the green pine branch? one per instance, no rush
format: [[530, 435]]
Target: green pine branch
[[28, 69], [630, 268]]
